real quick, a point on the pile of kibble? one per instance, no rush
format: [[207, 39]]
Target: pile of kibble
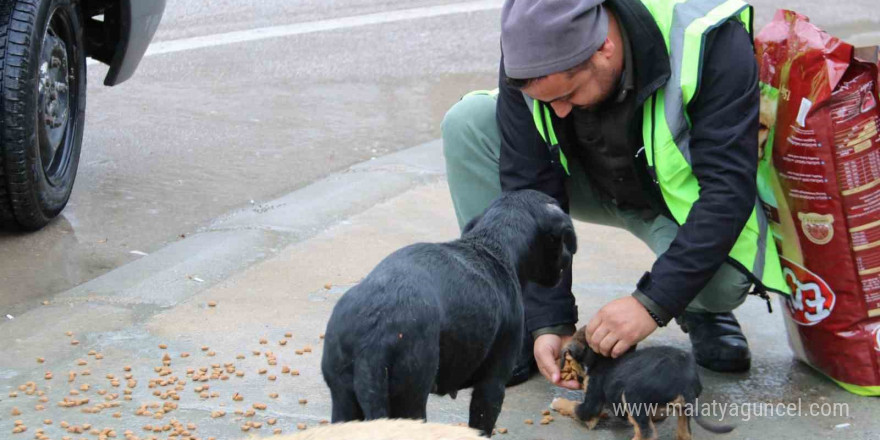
[[168, 382], [92, 395]]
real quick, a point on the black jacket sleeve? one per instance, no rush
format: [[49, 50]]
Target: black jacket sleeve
[[526, 163], [724, 152]]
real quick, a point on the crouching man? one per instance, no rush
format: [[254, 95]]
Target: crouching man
[[637, 114]]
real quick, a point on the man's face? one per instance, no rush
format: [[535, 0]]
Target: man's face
[[583, 89]]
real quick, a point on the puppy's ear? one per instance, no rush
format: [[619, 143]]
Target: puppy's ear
[[580, 336], [589, 357], [470, 225]]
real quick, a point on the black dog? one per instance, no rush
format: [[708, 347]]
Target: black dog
[[642, 386], [437, 318]]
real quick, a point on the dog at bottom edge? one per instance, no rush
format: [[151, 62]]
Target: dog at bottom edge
[[645, 386], [384, 429], [441, 317]]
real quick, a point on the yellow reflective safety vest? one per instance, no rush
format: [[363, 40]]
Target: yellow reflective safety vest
[[684, 25]]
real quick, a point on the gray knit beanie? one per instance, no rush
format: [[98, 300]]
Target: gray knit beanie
[[540, 37]]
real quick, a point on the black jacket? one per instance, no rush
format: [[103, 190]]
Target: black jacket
[[724, 134]]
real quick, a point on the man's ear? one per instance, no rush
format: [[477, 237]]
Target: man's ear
[[606, 50], [470, 225]]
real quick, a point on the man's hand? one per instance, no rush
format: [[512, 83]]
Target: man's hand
[[618, 326], [547, 351]]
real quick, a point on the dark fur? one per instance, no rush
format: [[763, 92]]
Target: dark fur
[[445, 316], [654, 375]]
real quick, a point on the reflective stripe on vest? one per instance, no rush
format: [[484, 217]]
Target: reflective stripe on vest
[[544, 129], [691, 21], [544, 124]]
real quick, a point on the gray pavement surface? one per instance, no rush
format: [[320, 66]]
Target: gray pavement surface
[[233, 169], [198, 133], [172, 302]]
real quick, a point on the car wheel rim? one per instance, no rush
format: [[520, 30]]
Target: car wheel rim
[[57, 96]]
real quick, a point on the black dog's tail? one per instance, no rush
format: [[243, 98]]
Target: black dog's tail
[[371, 387]]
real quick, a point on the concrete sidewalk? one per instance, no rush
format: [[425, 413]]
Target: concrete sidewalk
[[279, 268]]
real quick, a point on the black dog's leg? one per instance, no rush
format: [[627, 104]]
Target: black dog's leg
[[345, 406], [414, 372], [486, 405], [492, 377], [594, 403], [410, 406], [412, 382], [371, 385]]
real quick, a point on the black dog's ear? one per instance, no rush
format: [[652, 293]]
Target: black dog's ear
[[570, 239], [470, 225], [561, 227]]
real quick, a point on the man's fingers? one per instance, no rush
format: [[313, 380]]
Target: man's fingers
[[607, 344], [570, 384], [598, 336], [593, 325], [544, 372], [539, 359], [546, 360], [620, 348]]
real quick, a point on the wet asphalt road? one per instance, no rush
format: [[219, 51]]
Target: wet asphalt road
[[198, 133]]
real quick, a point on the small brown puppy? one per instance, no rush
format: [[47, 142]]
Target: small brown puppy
[[642, 387], [385, 429]]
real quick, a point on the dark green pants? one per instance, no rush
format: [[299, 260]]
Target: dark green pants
[[472, 144]]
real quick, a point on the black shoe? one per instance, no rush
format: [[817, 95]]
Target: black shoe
[[718, 341], [525, 365]]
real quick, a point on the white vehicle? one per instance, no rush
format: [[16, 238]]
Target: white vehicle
[[43, 50]]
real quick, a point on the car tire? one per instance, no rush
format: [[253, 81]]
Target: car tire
[[42, 108]]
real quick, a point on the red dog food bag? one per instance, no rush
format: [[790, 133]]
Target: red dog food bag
[[819, 180]]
